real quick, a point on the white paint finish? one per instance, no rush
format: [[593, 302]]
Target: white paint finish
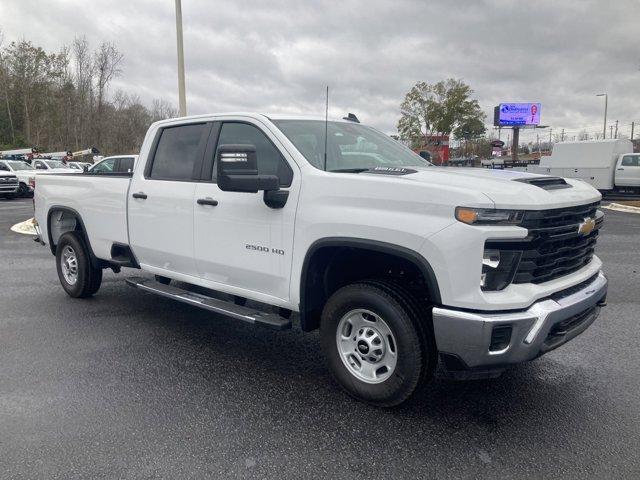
[[161, 227], [101, 204], [205, 245], [627, 175], [226, 235]]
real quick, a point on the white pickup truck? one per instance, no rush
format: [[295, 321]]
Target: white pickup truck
[[398, 263]]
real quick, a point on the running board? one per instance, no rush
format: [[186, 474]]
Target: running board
[[230, 309]]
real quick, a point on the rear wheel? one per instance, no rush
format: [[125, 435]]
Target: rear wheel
[[77, 276], [376, 342]]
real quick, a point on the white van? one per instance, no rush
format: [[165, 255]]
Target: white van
[[605, 164]]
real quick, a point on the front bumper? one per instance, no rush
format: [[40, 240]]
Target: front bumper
[[464, 339]]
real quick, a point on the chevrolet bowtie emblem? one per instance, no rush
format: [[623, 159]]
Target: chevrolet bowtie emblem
[[586, 227]]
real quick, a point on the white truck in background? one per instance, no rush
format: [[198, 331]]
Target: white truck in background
[[606, 164], [400, 264]]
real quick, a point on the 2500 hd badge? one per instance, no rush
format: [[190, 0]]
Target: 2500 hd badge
[[260, 248]]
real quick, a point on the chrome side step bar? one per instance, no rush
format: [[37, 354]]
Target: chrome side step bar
[[222, 307]]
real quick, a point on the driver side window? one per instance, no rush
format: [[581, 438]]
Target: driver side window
[[40, 165], [631, 161], [4, 167], [270, 161], [105, 166]]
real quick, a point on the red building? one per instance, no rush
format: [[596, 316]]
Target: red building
[[437, 146]]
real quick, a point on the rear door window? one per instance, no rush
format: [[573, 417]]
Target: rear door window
[[179, 152]]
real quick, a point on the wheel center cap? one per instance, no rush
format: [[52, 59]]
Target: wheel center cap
[[363, 347]]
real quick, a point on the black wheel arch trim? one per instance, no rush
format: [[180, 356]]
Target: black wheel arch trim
[[95, 261], [374, 245]]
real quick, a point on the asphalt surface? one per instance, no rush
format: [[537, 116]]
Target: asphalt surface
[[129, 385]]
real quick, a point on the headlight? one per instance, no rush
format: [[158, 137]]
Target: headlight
[[498, 268], [488, 216]]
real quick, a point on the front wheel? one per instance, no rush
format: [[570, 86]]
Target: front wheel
[[78, 277], [23, 190], [377, 343]]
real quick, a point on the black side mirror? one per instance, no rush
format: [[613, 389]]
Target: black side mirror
[[237, 170], [85, 168]]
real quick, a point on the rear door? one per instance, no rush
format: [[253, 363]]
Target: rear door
[[240, 242], [628, 171], [160, 203]]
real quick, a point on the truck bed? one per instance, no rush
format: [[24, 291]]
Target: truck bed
[[101, 201]]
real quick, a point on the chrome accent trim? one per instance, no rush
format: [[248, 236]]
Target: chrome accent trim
[[468, 334]]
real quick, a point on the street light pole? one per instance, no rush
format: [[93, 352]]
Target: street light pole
[[182, 99], [606, 100]]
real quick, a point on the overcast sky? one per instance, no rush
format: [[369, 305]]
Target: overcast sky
[[278, 55]]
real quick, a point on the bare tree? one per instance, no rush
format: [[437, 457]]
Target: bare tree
[[106, 63], [4, 80]]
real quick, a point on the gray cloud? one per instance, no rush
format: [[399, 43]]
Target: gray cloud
[[279, 55]]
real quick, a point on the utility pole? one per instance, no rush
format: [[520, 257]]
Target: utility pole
[[610, 131], [616, 129], [515, 144], [632, 125], [550, 130], [606, 100], [182, 99], [562, 136]]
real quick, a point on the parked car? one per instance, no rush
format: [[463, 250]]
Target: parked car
[[8, 185], [82, 166], [400, 264], [114, 164], [24, 172], [50, 165]]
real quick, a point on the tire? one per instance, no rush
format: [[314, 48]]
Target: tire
[[377, 310], [77, 276], [23, 190], [163, 280]]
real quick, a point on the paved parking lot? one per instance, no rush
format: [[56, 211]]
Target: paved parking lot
[[129, 385]]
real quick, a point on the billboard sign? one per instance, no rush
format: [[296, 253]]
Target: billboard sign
[[517, 115]]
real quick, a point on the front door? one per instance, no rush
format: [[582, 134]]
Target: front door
[[240, 242], [160, 203], [628, 171]]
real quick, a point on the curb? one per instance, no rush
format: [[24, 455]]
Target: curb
[[26, 227], [622, 208]]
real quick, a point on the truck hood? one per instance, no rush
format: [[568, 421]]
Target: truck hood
[[508, 188]]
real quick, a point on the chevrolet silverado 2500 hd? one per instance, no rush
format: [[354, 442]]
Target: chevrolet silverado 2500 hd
[[398, 263]]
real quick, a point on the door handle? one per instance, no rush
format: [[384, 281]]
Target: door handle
[[141, 195], [207, 201], [621, 169]]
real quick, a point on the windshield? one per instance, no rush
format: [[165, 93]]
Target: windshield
[[17, 166], [350, 146], [55, 164]]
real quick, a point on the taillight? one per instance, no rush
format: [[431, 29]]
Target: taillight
[[32, 182]]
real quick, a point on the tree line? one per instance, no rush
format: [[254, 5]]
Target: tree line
[[62, 101]]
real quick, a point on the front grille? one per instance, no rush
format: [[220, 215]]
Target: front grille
[[554, 247]]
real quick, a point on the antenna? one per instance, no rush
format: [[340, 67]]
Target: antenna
[[326, 128]]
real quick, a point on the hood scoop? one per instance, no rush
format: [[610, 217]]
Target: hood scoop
[[546, 183]]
